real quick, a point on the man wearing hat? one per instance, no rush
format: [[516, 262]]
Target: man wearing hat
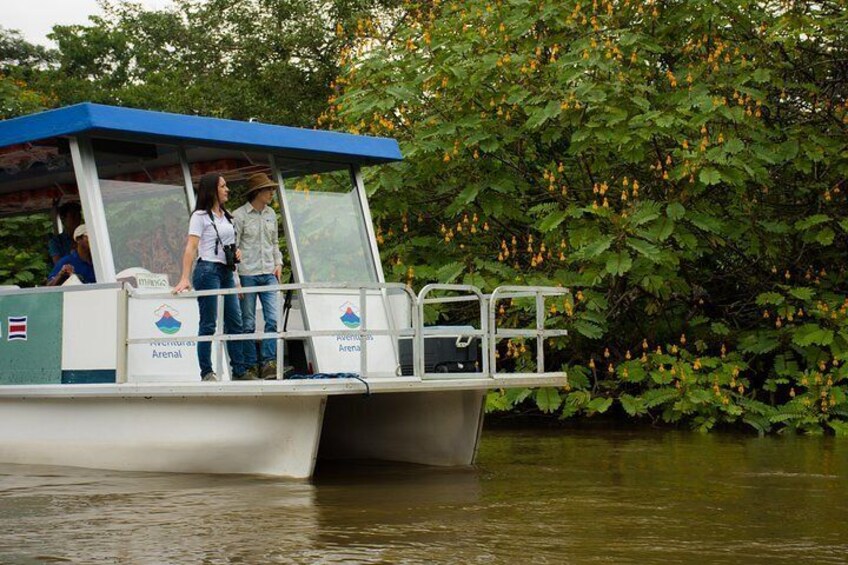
[[261, 265], [77, 262]]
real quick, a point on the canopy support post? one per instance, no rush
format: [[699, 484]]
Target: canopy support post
[[189, 188], [85, 170], [359, 185]]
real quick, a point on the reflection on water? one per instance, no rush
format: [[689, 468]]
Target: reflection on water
[[535, 497]]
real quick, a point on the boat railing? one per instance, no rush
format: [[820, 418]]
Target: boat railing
[[488, 332], [362, 332], [540, 333], [470, 294]]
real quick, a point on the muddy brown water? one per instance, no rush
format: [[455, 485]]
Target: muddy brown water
[[535, 496]]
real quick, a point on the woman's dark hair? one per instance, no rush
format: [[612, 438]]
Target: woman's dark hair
[[207, 193]]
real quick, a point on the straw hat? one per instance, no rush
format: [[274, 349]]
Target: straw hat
[[259, 181]]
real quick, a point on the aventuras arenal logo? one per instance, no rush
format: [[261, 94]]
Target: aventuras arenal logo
[[166, 319], [350, 315]]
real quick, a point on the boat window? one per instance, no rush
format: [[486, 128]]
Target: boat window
[[329, 228], [145, 202], [35, 178], [235, 166]]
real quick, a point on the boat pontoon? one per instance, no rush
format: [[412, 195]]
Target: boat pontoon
[[105, 375]]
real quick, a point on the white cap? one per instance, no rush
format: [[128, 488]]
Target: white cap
[[80, 231]]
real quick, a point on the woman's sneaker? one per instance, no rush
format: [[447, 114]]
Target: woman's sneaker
[[210, 376]]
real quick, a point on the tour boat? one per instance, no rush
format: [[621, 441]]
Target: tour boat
[[105, 375]]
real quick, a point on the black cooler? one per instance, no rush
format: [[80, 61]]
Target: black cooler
[[444, 354]]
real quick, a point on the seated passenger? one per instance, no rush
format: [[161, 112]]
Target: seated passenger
[[61, 244], [77, 262]]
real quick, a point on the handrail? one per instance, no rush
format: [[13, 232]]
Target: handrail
[[61, 288], [483, 332], [540, 332], [271, 287], [363, 332], [488, 332]]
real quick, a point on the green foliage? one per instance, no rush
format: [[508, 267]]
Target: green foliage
[[20, 62], [680, 165], [23, 257], [17, 98], [272, 60], [23, 254]]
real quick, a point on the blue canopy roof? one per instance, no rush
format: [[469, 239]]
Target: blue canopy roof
[[163, 127]]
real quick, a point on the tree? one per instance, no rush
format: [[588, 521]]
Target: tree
[[272, 60], [23, 256], [19, 59], [680, 164], [19, 55]]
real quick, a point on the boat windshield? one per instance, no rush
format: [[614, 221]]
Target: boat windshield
[[329, 230], [145, 202]]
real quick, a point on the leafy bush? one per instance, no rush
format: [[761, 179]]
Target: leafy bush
[[23, 257], [680, 165]]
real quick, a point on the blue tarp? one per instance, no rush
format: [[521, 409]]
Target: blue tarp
[[162, 127]]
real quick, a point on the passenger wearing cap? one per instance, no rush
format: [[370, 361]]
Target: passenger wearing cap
[[261, 265], [77, 262], [70, 213]]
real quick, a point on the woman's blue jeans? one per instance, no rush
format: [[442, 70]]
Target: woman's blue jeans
[[208, 276]]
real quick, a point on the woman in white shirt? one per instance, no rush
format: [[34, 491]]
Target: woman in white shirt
[[210, 230]]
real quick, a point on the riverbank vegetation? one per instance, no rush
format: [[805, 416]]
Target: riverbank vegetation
[[680, 165]]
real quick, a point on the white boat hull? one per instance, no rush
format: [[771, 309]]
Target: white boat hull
[[273, 435], [254, 427]]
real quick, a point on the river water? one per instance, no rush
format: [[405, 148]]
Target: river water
[[557, 496]]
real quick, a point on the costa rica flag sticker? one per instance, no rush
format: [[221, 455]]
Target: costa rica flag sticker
[[17, 328]]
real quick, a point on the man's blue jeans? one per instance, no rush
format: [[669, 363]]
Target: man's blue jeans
[[248, 315], [207, 276]]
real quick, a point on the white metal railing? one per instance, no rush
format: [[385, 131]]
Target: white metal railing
[[281, 335], [488, 333], [482, 333], [540, 333]]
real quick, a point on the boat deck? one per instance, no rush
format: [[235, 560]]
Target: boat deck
[[294, 387]]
